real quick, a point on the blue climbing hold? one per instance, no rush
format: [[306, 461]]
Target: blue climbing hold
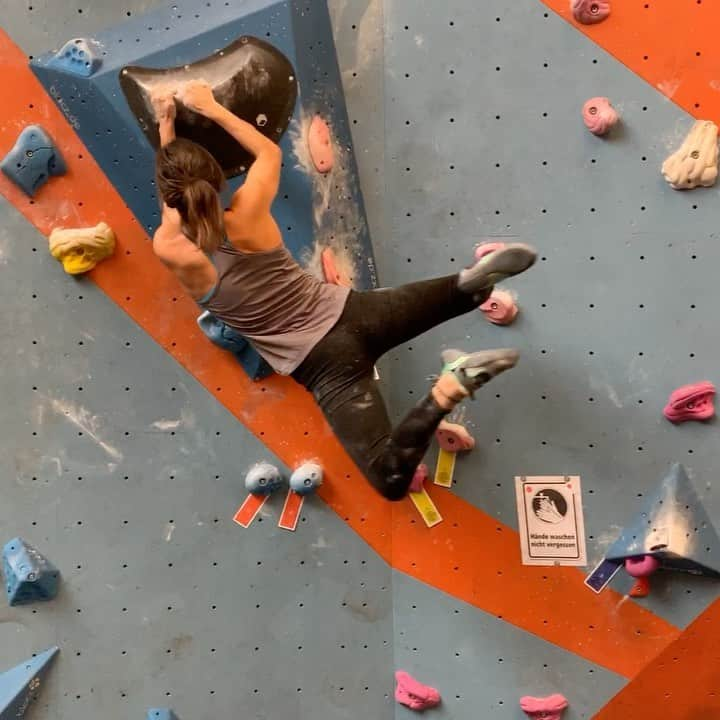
[[21, 685], [673, 527], [29, 576], [221, 334], [231, 340], [32, 160], [77, 56], [306, 479], [161, 714], [263, 479]]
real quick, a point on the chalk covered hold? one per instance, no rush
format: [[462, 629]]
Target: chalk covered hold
[[453, 437], [695, 162], [81, 249], [590, 12], [320, 145], [599, 115], [307, 478], [263, 479]]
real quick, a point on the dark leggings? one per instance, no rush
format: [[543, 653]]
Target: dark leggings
[[339, 373]]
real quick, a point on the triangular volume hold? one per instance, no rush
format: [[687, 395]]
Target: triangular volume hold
[[22, 684], [29, 576], [674, 527]]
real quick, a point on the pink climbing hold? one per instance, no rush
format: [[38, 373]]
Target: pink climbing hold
[[320, 145], [599, 115], [453, 437], [691, 402], [486, 248], [419, 478], [589, 12], [642, 566], [332, 273], [500, 308], [413, 694], [549, 708]]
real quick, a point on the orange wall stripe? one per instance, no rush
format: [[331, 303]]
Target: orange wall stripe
[[682, 683], [468, 556], [672, 44]]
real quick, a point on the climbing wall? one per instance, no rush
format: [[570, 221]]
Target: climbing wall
[[126, 435]]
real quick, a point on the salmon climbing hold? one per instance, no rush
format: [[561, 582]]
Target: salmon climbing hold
[[548, 708], [306, 479], [599, 115], [695, 162], [691, 402], [413, 694], [453, 437], [332, 271], [590, 12], [263, 479], [500, 308], [81, 249], [320, 145], [33, 160]]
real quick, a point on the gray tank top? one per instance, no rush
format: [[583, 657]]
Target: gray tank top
[[279, 307]]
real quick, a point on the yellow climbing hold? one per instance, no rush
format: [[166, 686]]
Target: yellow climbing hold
[[81, 249]]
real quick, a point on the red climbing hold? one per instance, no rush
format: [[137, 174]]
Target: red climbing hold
[[549, 708], [413, 694], [500, 308], [320, 145], [332, 273], [691, 402], [641, 588], [590, 12]]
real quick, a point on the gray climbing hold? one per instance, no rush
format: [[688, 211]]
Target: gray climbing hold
[[32, 160], [21, 685]]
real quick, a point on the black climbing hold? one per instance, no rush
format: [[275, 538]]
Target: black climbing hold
[[250, 77]]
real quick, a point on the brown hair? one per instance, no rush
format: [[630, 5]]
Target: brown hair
[[189, 179]]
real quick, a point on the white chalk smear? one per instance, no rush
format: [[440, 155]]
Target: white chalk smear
[[169, 530], [84, 420]]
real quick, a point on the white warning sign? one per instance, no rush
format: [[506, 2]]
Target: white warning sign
[[551, 523]]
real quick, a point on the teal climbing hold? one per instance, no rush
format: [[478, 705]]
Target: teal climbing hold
[[29, 576], [32, 160], [22, 684], [77, 56], [160, 714]]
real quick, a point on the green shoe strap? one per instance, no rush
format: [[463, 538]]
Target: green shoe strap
[[455, 364]]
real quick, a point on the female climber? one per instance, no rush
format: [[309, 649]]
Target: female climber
[[328, 338]]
